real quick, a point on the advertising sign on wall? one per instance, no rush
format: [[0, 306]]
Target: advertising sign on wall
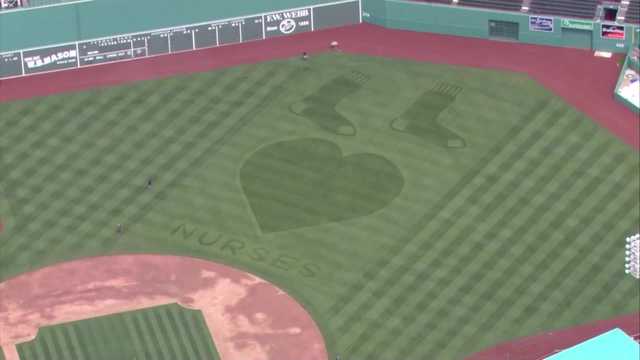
[[612, 31], [541, 23], [53, 58], [576, 24], [287, 22]]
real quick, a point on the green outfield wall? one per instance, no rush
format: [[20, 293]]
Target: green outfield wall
[[76, 35], [481, 23], [42, 26]]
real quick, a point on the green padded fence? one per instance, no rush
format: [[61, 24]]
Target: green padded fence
[[482, 23]]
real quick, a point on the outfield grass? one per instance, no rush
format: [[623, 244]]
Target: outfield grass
[[419, 210], [165, 332]]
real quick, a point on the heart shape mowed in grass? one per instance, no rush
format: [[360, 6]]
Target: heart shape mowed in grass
[[308, 182]]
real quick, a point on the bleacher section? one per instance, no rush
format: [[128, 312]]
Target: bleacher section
[[585, 9], [633, 12], [506, 5]]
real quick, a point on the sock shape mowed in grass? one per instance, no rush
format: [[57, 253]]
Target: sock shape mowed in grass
[[168, 332], [320, 107], [421, 119]]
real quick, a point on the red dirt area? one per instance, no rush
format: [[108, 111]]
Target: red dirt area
[[249, 318], [583, 80], [539, 346]]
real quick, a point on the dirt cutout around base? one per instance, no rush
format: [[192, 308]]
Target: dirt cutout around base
[[249, 318]]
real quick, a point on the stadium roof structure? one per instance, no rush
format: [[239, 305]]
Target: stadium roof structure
[[614, 344]]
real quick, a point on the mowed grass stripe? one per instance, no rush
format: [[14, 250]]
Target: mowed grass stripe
[[68, 350], [601, 287], [205, 339], [148, 340], [51, 175], [84, 144], [117, 337], [572, 238], [464, 261], [444, 224], [152, 327], [249, 92], [271, 93], [477, 271], [180, 346], [194, 335], [28, 165], [476, 309], [164, 333], [442, 228], [583, 249], [137, 341], [546, 206], [38, 352], [605, 260], [17, 178], [496, 201], [88, 331], [50, 347], [24, 352], [72, 338], [190, 162], [42, 351], [97, 204], [72, 118], [88, 144], [372, 272], [48, 115], [147, 327], [184, 328], [71, 153], [631, 292]]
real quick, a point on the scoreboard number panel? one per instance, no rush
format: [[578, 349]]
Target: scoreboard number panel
[[106, 50], [181, 40], [252, 29], [204, 35], [158, 43], [10, 64], [229, 32]]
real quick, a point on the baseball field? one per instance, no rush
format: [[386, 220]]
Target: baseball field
[[415, 210]]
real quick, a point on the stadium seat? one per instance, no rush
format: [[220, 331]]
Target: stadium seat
[[633, 12], [585, 9], [506, 5]]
